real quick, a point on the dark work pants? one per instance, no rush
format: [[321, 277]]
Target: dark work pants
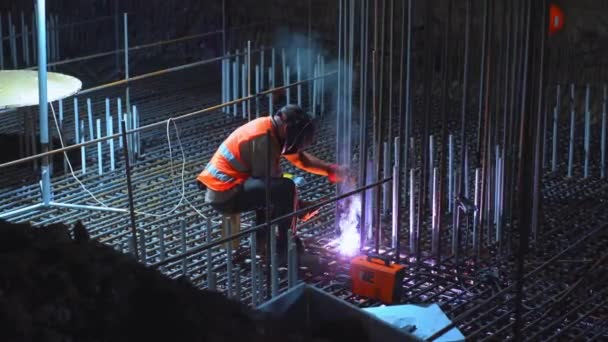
[[251, 195]]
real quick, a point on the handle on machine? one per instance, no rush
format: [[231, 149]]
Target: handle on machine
[[385, 259]]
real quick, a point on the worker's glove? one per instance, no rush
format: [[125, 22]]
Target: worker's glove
[[337, 173], [308, 214]]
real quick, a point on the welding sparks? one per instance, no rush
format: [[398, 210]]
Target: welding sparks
[[348, 221]]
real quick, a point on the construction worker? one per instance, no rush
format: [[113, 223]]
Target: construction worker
[[235, 176]]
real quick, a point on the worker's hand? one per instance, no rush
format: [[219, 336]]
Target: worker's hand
[[338, 173]]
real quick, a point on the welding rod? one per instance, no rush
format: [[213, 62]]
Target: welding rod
[[603, 139], [571, 145], [555, 122], [587, 131]]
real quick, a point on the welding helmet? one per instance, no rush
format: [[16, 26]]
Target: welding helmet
[[300, 129]]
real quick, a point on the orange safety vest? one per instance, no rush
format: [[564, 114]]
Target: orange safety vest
[[226, 169]]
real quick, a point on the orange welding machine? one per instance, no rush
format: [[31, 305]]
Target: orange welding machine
[[375, 277]]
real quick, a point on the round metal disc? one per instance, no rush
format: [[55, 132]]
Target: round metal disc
[[19, 88]]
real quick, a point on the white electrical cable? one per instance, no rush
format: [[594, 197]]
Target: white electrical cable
[[171, 165]]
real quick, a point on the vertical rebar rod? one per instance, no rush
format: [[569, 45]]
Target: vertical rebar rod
[[248, 75], [235, 86], [210, 278], [587, 131], [76, 122], [555, 124], [299, 76], [117, 41], [481, 77], [2, 44], [26, 45], [434, 214], [390, 73], [99, 149], [270, 97], [254, 263], [11, 41], [262, 67], [61, 132], [244, 105], [476, 214], [83, 150], [224, 47], [271, 264], [24, 40], [257, 90], [412, 210], [395, 198], [126, 56], [125, 151], [451, 172], [362, 123], [229, 229], [603, 134], [463, 137], [110, 133], [431, 165], [572, 127], [386, 201], [292, 266], [182, 233], [119, 119]]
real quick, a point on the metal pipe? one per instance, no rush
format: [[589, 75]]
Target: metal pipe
[[572, 124], [129, 188], [42, 102]]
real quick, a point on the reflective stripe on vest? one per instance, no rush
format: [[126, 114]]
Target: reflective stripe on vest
[[219, 174], [225, 152]]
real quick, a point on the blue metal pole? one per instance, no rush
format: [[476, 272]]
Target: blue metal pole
[[42, 101]]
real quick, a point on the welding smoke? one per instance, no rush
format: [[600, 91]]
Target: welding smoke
[[349, 223]]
